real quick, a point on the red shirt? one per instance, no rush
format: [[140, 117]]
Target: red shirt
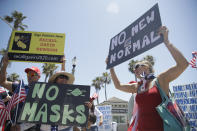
[[148, 118]]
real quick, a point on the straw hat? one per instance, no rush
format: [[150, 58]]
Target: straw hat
[[71, 78]]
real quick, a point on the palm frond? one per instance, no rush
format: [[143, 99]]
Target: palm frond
[[8, 19]]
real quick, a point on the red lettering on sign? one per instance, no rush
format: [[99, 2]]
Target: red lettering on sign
[[47, 40]]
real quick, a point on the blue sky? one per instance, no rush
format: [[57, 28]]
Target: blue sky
[[90, 24]]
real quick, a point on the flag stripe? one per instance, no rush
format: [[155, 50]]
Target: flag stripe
[[193, 60], [2, 90], [3, 115]]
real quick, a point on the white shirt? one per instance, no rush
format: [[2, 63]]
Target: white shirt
[[98, 113]]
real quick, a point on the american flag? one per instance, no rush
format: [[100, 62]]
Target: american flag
[[3, 114], [193, 60], [18, 96]]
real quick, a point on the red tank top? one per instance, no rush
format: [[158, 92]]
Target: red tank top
[[148, 118]]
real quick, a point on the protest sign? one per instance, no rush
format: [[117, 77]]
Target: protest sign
[[29, 46], [186, 98], [56, 104], [137, 38], [107, 118]]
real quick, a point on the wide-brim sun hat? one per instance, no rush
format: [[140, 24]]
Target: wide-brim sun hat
[[70, 76]]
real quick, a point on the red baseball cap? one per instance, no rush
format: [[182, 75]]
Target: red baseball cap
[[35, 69]]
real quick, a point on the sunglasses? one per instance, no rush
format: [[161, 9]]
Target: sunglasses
[[63, 77], [32, 74], [138, 65]]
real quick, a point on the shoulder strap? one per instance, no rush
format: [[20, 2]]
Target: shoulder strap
[[162, 93]]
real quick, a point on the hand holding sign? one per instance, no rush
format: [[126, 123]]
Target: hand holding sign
[[164, 32]]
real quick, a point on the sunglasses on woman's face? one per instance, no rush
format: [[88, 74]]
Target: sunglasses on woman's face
[[32, 74], [63, 77], [138, 65]]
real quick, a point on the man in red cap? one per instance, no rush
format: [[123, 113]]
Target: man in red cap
[[33, 75]]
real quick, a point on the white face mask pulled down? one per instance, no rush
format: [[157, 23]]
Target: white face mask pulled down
[[145, 77]]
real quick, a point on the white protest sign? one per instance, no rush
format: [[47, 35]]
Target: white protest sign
[[186, 98], [107, 118]]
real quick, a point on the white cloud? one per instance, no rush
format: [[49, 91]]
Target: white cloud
[[113, 8]]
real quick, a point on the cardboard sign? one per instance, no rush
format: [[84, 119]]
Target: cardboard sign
[[137, 38], [186, 98], [36, 46], [106, 110], [55, 104]]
